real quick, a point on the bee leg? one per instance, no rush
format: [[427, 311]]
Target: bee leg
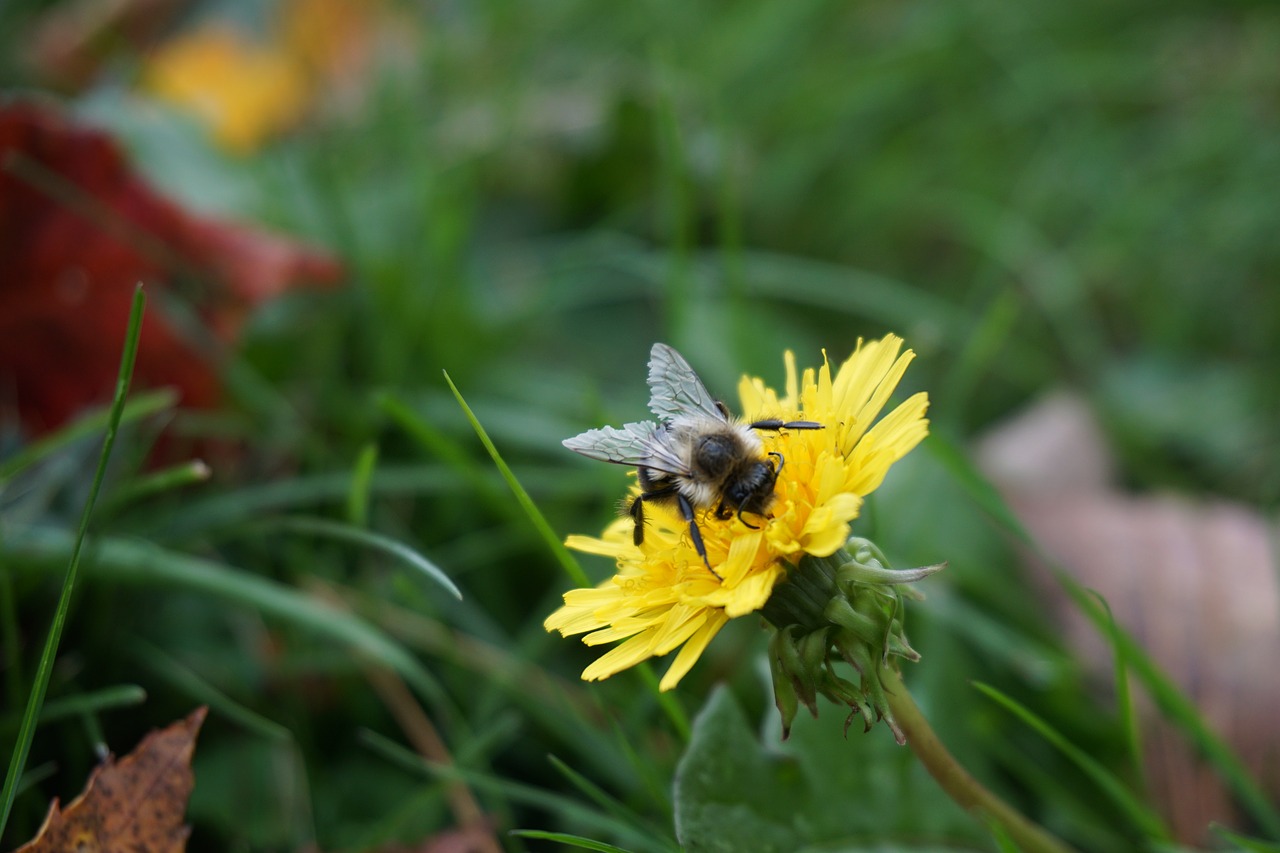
[[747, 523], [781, 461], [637, 515], [637, 509], [686, 511]]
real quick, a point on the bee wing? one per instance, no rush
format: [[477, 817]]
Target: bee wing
[[676, 389], [638, 444]]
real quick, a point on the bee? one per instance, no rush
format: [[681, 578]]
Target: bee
[[695, 455]]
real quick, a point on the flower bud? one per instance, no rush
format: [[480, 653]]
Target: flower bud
[[843, 608]]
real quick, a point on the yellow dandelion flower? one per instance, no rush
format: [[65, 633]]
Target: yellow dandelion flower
[[665, 597]]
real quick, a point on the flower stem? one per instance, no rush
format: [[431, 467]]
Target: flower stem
[[966, 791]]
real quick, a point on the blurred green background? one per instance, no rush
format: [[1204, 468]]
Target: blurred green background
[[1034, 195]]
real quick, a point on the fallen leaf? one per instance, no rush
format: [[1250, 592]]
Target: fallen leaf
[[78, 231], [1192, 580], [136, 804]]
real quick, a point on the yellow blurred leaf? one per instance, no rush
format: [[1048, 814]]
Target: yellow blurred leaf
[[245, 92]]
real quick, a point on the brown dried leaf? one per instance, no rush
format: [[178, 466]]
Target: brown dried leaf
[[1193, 581], [136, 804]]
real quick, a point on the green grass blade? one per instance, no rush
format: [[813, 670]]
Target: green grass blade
[[35, 775], [93, 733], [1125, 708], [132, 562], [601, 798], [361, 485], [1141, 817], [203, 516], [592, 791], [516, 792], [444, 448], [14, 680], [648, 775], [120, 696], [1244, 842], [250, 503], [676, 208], [666, 699], [566, 560], [175, 477], [826, 286], [984, 494], [44, 670], [552, 703], [1002, 839], [570, 840], [142, 406], [189, 682], [346, 533], [988, 339]]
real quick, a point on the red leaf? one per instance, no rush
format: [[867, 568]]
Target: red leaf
[[78, 230]]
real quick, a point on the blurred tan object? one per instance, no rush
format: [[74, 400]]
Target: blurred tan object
[[70, 43], [338, 43], [1194, 581]]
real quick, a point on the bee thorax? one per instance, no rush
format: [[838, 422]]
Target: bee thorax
[[728, 470]]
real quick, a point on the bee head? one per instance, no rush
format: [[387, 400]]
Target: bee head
[[750, 489]]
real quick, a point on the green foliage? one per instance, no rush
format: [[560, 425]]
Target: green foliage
[[738, 789], [1142, 817], [1035, 195], [1252, 845]]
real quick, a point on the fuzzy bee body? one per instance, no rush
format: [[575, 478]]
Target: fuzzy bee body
[[695, 455]]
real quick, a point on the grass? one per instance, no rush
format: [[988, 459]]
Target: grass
[[1038, 196], [44, 667]]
